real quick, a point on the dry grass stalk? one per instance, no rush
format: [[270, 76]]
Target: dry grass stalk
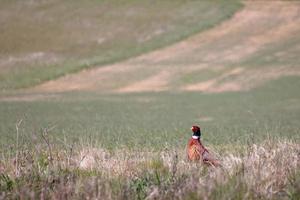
[[269, 170]]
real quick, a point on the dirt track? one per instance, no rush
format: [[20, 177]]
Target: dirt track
[[220, 49]]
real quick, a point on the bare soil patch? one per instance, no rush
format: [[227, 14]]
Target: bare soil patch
[[260, 23], [28, 97], [242, 80], [155, 83]]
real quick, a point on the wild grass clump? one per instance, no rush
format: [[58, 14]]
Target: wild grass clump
[[269, 170]]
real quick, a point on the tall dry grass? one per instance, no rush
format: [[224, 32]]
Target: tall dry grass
[[269, 170]]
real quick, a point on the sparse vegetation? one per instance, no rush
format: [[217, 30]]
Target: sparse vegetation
[[269, 170]]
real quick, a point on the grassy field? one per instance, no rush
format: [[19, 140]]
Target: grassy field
[[42, 40], [154, 120], [86, 145], [120, 131]]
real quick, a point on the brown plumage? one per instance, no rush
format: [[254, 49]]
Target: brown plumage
[[197, 152], [195, 149]]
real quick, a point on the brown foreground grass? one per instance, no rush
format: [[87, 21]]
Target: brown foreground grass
[[258, 171]]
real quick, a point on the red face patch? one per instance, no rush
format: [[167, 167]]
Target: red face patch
[[195, 128]]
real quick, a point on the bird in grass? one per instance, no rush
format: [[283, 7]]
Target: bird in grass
[[197, 152]]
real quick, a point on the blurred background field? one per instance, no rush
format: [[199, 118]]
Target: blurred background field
[[42, 40], [238, 80], [159, 120]]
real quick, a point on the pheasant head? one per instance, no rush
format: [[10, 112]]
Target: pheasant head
[[196, 132]]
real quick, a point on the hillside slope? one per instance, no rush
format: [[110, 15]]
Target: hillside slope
[[260, 43], [43, 40]]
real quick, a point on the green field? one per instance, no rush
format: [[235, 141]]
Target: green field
[[155, 120], [119, 130], [42, 40]]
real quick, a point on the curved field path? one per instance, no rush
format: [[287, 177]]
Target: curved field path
[[222, 52]]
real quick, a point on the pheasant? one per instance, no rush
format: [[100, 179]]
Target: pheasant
[[197, 152]]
